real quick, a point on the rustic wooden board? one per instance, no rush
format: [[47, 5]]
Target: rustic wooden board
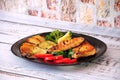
[[107, 67], [12, 76]]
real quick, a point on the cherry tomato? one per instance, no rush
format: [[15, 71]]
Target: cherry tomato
[[43, 55]]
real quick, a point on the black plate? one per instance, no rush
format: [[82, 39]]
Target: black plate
[[98, 44]]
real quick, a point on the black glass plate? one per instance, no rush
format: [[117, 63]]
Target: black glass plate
[[98, 44]]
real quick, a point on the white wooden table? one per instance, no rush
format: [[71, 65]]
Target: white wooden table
[[107, 67]]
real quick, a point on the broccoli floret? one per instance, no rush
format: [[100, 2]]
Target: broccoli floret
[[54, 36]]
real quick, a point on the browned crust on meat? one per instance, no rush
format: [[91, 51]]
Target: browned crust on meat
[[67, 44], [27, 49], [84, 50], [36, 39]]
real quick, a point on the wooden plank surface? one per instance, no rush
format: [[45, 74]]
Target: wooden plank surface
[[37, 21], [107, 67], [12, 76]]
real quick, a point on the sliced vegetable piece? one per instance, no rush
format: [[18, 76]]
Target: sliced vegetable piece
[[51, 58], [58, 61], [58, 57], [64, 60], [73, 60], [67, 36], [46, 45], [42, 55]]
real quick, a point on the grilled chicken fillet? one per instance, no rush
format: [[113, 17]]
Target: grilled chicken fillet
[[84, 50], [31, 47], [28, 49], [36, 39], [66, 44]]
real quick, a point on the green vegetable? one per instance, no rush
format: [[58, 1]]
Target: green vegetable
[[54, 36], [60, 53], [67, 53], [67, 36], [70, 53]]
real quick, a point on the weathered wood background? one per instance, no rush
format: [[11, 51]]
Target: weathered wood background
[[96, 14]]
